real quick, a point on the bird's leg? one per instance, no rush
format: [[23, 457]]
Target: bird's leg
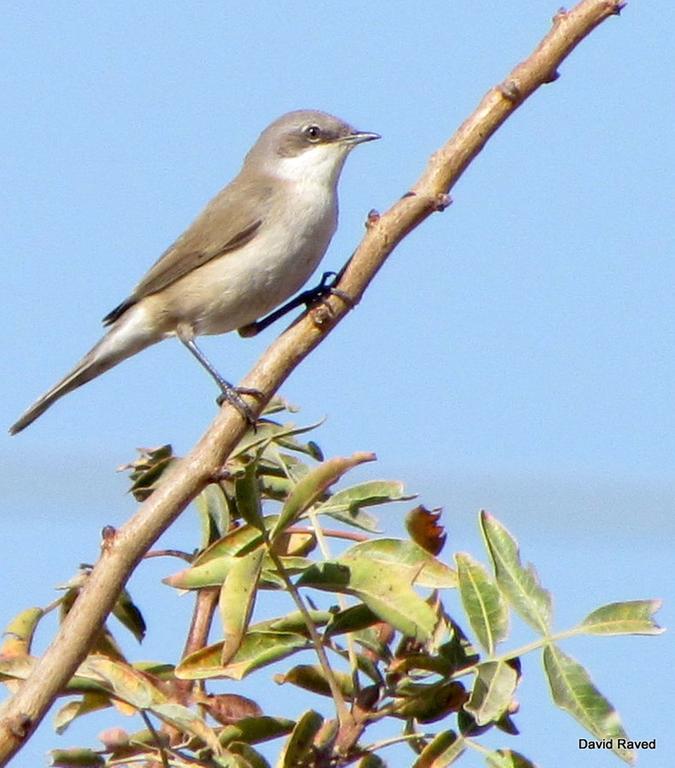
[[309, 298], [229, 393], [327, 287]]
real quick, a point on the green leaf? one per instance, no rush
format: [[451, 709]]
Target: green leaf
[[406, 558], [492, 692], [277, 463], [385, 590], [371, 761], [295, 544], [126, 612], [126, 683], [310, 489], [351, 619], [301, 740], [381, 573], [508, 758], [458, 650], [248, 497], [293, 622], [267, 432], [236, 542], [364, 664], [520, 585], [106, 645], [212, 573], [247, 757], [258, 649], [444, 750], [483, 603], [309, 448], [633, 617], [237, 598], [214, 513], [90, 702], [310, 677], [347, 505], [76, 758], [274, 486], [573, 691], [19, 632], [212, 565], [148, 470], [428, 703], [157, 669], [254, 730], [270, 577]]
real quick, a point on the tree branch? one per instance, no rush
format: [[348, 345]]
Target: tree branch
[[123, 551]]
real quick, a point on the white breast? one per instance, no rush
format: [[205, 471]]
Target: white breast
[[246, 284]]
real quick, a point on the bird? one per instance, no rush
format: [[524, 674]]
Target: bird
[[251, 248]]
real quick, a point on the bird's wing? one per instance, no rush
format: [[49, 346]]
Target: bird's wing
[[228, 222]]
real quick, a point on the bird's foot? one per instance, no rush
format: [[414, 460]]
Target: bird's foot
[[324, 289], [310, 298], [233, 396]]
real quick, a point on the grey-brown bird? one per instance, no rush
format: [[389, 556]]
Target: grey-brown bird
[[253, 246]]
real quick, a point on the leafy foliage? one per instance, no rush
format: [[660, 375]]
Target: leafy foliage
[[387, 648]]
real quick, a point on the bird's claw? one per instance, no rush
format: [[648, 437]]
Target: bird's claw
[[326, 288], [233, 396]]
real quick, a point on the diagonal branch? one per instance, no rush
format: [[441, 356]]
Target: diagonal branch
[[123, 550]]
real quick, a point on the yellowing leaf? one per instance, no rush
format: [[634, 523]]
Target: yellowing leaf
[[313, 485], [129, 685], [633, 617], [19, 632], [257, 649], [237, 598]]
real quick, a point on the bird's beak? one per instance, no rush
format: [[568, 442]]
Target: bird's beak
[[359, 137]]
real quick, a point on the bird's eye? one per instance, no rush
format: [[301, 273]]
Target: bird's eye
[[312, 132]]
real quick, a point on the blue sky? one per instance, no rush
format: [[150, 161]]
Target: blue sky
[[516, 353]]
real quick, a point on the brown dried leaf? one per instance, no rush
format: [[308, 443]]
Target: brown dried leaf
[[424, 529]]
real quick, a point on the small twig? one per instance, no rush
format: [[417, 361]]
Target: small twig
[[53, 605], [325, 551], [478, 747], [179, 758], [523, 649], [370, 748], [205, 607], [156, 737], [333, 533], [206, 603], [169, 553], [340, 704], [343, 714], [387, 711]]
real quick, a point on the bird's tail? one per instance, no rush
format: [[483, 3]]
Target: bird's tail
[[125, 338]]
